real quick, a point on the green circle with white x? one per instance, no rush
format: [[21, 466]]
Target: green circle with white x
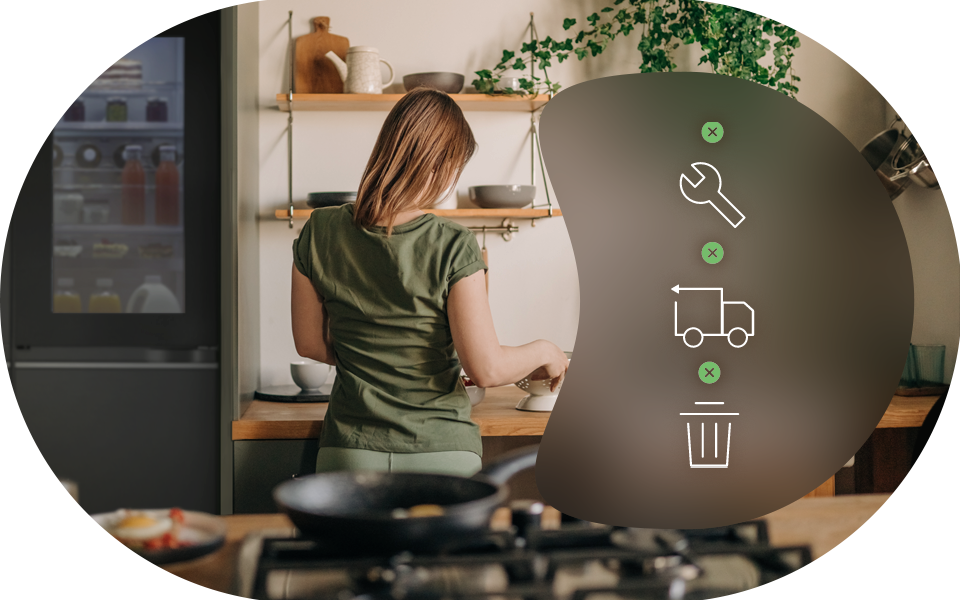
[[712, 253], [709, 372], [712, 132]]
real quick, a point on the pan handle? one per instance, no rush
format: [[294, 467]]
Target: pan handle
[[511, 463]]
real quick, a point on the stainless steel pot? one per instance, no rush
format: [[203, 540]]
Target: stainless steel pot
[[879, 152], [931, 155]]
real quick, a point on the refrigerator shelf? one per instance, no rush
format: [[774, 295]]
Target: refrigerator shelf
[[96, 187], [108, 266], [146, 88], [116, 229], [103, 128]]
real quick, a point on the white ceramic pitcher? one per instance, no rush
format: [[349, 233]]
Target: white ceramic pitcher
[[361, 72]]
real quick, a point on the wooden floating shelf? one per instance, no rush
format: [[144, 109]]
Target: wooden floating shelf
[[458, 213], [384, 102]]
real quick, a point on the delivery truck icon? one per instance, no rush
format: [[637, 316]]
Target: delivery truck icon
[[712, 317]]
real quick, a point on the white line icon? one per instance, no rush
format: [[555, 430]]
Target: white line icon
[[697, 334], [708, 192], [704, 457]]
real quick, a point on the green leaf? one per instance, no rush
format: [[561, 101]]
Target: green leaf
[[592, 19], [518, 65], [568, 23], [606, 9]]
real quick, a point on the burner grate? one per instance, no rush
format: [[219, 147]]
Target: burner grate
[[574, 562]]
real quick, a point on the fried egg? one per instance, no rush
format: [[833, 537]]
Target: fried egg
[[141, 527]]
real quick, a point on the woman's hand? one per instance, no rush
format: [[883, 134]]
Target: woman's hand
[[555, 367], [486, 362]]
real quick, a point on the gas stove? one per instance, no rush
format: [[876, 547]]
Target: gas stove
[[577, 561]]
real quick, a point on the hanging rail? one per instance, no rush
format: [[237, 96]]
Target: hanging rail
[[505, 229]]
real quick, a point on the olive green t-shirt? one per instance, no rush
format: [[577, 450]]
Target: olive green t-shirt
[[398, 383]]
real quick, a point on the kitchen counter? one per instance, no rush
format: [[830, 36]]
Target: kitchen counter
[[496, 415], [821, 523]]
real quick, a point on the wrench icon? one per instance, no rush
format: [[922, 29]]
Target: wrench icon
[[708, 192]]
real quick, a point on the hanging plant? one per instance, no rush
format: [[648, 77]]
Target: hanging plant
[[733, 41]]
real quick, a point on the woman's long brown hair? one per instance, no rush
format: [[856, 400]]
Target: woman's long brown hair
[[422, 149]]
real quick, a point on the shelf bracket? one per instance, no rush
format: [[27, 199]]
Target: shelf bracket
[[290, 124]]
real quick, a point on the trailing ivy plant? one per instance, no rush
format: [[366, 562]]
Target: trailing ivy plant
[[733, 41]]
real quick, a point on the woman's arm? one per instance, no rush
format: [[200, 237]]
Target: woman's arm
[[311, 326], [486, 362]]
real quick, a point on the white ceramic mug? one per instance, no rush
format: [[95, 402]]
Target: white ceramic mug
[[309, 375]]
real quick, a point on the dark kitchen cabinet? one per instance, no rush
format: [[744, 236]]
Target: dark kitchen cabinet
[[5, 186], [4, 419], [261, 465], [130, 437]]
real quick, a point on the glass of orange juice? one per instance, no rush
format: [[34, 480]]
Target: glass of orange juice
[[37, 519]]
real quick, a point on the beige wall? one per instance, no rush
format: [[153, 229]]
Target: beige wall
[[533, 279], [923, 51]]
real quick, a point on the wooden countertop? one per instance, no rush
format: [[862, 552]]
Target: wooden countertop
[[496, 415], [907, 411], [821, 523]]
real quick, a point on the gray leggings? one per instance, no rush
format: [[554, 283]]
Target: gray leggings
[[458, 462]]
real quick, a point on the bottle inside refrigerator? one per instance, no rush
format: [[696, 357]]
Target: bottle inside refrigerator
[[117, 173]]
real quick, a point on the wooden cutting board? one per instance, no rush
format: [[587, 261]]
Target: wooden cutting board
[[314, 73]]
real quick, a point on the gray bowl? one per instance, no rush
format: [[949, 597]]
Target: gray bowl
[[450, 83], [502, 196], [321, 199]]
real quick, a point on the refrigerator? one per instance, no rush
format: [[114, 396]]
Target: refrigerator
[[110, 288]]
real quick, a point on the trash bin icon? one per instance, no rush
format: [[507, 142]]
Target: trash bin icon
[[708, 444]]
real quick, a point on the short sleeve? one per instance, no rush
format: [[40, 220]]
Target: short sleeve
[[301, 250], [467, 259]]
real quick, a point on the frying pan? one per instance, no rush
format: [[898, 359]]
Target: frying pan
[[354, 510]]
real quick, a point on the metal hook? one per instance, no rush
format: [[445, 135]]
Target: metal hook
[[484, 245], [926, 94]]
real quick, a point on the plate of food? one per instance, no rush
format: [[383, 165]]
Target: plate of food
[[165, 535]]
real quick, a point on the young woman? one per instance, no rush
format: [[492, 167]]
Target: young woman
[[396, 299]]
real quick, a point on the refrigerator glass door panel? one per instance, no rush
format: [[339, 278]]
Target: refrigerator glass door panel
[[117, 210], [108, 254]]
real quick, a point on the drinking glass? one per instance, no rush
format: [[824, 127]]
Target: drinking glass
[[37, 519], [929, 365], [909, 377]]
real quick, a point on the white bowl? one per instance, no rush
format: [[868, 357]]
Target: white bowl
[[537, 403], [309, 375], [476, 394]]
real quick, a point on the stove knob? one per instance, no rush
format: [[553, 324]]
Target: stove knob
[[525, 514]]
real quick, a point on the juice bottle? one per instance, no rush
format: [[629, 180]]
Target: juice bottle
[[33, 545], [105, 300], [168, 188], [132, 188], [65, 299]]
